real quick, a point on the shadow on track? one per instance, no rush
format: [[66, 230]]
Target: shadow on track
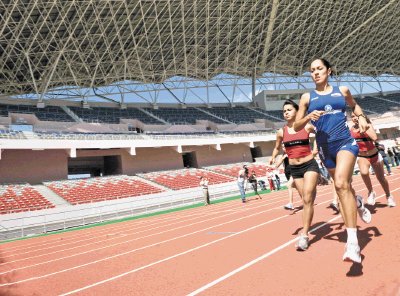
[[364, 237]]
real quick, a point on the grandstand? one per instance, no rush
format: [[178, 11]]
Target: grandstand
[[100, 189], [186, 178], [17, 198]]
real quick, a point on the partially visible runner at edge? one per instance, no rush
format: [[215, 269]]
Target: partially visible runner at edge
[[368, 156]]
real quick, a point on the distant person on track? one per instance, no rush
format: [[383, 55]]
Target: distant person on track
[[204, 185], [396, 155], [277, 179], [243, 175], [303, 167], [381, 150], [271, 180], [325, 108], [253, 181], [368, 156]]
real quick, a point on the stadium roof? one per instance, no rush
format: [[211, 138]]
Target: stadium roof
[[87, 43]]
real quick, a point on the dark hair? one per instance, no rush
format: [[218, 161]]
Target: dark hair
[[290, 102], [327, 64]]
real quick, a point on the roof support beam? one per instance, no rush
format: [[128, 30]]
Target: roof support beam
[[371, 18], [31, 72], [48, 79], [271, 25], [175, 97]]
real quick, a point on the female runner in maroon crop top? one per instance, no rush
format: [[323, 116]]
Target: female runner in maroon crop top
[[303, 167], [369, 156]]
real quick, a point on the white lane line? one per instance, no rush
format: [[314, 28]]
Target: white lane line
[[262, 257], [94, 232], [180, 254], [171, 257], [194, 249], [244, 209], [131, 240]]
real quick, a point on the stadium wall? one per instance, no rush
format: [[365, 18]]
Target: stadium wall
[[36, 166], [266, 147], [151, 159], [229, 153], [31, 166]]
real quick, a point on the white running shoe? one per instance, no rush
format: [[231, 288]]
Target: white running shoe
[[364, 213], [390, 201], [302, 243], [352, 253], [371, 198], [289, 206]]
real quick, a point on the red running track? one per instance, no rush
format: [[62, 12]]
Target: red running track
[[225, 249]]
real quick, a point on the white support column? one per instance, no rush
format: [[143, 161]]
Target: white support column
[[216, 147], [251, 144], [178, 148], [72, 152], [132, 151]]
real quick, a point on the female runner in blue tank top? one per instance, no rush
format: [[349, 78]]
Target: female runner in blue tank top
[[324, 107]]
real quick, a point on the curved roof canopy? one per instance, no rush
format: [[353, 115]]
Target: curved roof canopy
[[89, 43]]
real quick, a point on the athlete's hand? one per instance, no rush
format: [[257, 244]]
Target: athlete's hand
[[363, 124], [315, 115], [272, 161]]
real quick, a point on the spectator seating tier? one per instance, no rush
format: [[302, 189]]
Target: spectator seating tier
[[112, 115], [21, 198], [185, 178], [233, 169], [48, 113], [101, 188], [182, 116]]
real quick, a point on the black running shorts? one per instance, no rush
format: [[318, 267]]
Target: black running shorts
[[298, 171]]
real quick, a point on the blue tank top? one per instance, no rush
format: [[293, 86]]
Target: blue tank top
[[332, 125]]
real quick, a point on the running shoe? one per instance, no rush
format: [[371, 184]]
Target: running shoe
[[302, 243], [364, 213], [371, 198], [390, 201], [352, 253], [289, 206]]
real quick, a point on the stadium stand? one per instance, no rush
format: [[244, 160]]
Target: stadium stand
[[376, 104], [10, 134], [236, 114], [393, 97], [185, 178], [183, 116], [20, 198], [87, 136], [100, 188], [48, 113], [112, 115], [275, 114]]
